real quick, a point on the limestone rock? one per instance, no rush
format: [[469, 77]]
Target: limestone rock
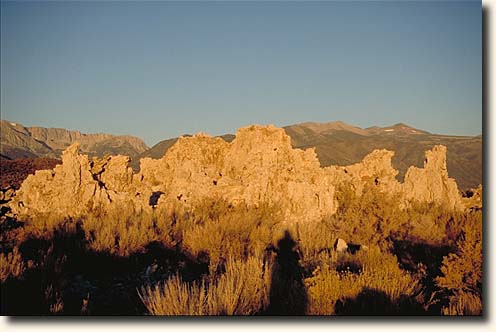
[[376, 168], [264, 168], [431, 184], [67, 189], [340, 245], [259, 167]]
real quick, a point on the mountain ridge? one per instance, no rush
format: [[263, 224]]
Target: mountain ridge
[[18, 141]]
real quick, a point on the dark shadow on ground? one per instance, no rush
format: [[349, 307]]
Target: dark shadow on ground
[[372, 302], [90, 282], [413, 256], [287, 292], [410, 254]]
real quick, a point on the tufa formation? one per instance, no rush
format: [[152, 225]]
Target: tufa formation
[[258, 167]]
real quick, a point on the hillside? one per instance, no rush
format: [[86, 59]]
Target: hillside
[[17, 141]]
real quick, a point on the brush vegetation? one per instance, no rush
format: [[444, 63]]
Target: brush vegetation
[[218, 259]]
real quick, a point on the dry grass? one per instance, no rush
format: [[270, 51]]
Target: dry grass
[[175, 298], [120, 232], [462, 271], [241, 290], [237, 243], [11, 265], [378, 270], [233, 232]]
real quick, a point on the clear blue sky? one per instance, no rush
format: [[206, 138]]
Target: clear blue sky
[[159, 69]]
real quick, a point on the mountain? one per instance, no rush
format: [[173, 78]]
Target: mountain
[[330, 128], [17, 141], [338, 143]]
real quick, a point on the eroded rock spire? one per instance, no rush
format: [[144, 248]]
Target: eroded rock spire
[[258, 167]]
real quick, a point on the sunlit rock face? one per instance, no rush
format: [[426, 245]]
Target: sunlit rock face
[[375, 168], [259, 167], [68, 189], [431, 184]]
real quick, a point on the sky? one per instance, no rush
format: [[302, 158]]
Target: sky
[[161, 69]]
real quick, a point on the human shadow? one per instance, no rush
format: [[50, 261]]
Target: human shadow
[[373, 302], [287, 292]]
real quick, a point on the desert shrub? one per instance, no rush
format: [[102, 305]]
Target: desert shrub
[[241, 290], [121, 232], [174, 298], [461, 277], [366, 218], [210, 209], [43, 225], [457, 223], [462, 303], [426, 222], [379, 271], [374, 216], [314, 240], [236, 232], [239, 241], [11, 265]]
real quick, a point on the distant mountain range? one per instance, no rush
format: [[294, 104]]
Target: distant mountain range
[[17, 141], [336, 143]]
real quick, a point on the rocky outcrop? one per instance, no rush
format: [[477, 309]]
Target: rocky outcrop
[[337, 143], [431, 184], [340, 245], [259, 167], [68, 189], [375, 168]]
